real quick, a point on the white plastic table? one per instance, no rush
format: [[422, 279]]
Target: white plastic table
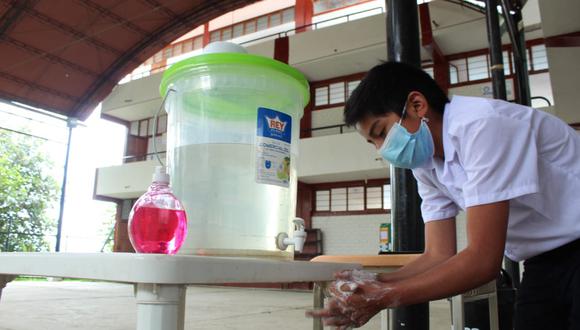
[[161, 280]]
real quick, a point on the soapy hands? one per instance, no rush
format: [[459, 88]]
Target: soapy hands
[[356, 296]]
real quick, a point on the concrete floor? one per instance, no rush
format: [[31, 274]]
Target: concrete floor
[[110, 306]]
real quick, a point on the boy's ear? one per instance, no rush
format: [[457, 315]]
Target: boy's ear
[[417, 104]]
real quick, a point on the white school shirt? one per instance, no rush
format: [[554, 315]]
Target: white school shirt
[[496, 151]]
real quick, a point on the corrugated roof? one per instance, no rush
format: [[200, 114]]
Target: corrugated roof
[[65, 56]]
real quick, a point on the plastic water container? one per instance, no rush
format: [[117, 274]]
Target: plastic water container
[[232, 150]]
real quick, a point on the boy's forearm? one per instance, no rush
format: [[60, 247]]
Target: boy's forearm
[[420, 265]]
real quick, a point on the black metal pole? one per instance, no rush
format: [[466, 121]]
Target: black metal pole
[[407, 223], [71, 123], [513, 17], [495, 51], [476, 313]]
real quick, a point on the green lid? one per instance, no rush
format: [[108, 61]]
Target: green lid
[[233, 58]]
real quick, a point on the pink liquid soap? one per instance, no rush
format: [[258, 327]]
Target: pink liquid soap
[[158, 223], [155, 230]]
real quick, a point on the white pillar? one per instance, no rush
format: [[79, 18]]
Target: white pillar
[[4, 279], [160, 307], [558, 18]]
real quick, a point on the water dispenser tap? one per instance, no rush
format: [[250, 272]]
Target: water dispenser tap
[[298, 238]]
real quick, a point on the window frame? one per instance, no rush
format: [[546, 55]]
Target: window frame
[[345, 80], [509, 66], [346, 185]]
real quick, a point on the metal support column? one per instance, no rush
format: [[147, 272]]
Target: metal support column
[[513, 18], [408, 227], [495, 51], [71, 123]]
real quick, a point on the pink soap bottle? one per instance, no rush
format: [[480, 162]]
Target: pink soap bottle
[[157, 222]]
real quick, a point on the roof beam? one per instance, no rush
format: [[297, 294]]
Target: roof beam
[[105, 12], [11, 15], [30, 84], [155, 4], [80, 36], [43, 54]]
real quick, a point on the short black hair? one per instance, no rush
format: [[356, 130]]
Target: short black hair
[[385, 88]]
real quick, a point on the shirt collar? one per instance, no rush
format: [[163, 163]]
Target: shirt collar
[[448, 149]]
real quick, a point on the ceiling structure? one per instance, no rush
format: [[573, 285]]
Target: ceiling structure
[[65, 56]]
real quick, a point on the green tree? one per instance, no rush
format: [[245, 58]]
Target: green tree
[[26, 192]]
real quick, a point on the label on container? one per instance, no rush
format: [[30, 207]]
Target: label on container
[[273, 147]]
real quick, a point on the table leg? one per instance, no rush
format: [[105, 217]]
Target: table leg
[[493, 311], [385, 319], [4, 279], [318, 293], [160, 306], [458, 321]]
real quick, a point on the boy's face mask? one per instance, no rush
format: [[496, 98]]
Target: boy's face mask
[[407, 150]]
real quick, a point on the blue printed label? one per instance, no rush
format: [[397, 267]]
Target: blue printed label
[[274, 124], [273, 139]]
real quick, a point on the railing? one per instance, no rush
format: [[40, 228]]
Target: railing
[[138, 158], [341, 128], [143, 157], [315, 26], [311, 25]]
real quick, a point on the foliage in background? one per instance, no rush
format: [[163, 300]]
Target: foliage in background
[[26, 193]]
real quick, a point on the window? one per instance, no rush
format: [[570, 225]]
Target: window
[[322, 200], [158, 57], [336, 93], [227, 34], [338, 200], [477, 66], [275, 19], [215, 36], [250, 27], [262, 23], [351, 86], [150, 127], [528, 60], [198, 43], [161, 124], [187, 45], [355, 197], [321, 96], [460, 67], [177, 49], [238, 30], [506, 63], [167, 53], [387, 197], [143, 128], [321, 6], [288, 15], [539, 57], [134, 130], [374, 197], [453, 74]]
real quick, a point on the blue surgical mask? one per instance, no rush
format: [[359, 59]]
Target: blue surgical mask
[[408, 150]]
